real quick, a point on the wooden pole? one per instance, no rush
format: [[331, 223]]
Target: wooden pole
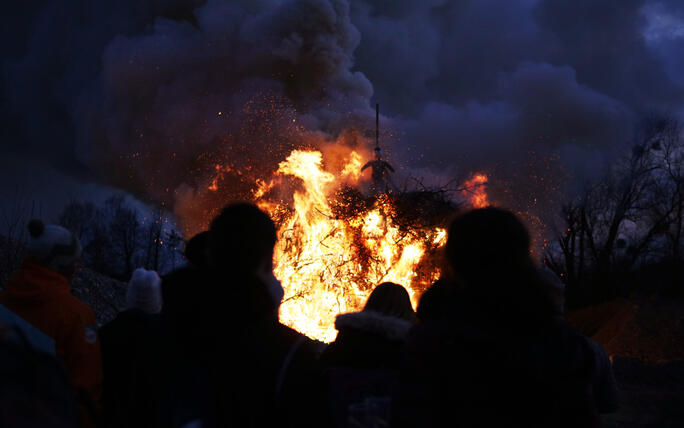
[[377, 126]]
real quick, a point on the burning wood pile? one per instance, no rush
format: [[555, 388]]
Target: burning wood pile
[[336, 243]]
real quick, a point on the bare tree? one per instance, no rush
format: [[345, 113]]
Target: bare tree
[[154, 240], [173, 245], [669, 197], [97, 250], [79, 218], [631, 216], [15, 214], [123, 231]]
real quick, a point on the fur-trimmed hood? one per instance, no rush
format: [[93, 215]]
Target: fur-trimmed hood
[[389, 327]]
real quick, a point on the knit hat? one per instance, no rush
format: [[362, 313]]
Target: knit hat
[[53, 245], [144, 291]]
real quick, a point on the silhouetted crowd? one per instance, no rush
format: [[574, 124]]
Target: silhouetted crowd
[[203, 346]]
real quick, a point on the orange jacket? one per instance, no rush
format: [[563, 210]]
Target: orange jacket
[[42, 297]]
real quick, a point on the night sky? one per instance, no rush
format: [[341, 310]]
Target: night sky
[[97, 95]]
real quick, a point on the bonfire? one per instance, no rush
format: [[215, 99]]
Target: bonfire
[[337, 241]]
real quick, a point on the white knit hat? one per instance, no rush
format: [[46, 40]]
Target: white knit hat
[[53, 245], [144, 291]]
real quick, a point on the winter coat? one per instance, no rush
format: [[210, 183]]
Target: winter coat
[[265, 375], [34, 387], [362, 366], [41, 296], [281, 384], [241, 368], [122, 341], [480, 371], [604, 386], [368, 340], [434, 303]]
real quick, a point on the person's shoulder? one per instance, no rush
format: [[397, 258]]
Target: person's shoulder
[[120, 320], [568, 335], [291, 334], [569, 346], [431, 337], [78, 309], [295, 338]]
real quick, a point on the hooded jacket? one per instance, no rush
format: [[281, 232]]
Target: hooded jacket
[[362, 365], [122, 342], [225, 360], [475, 370], [41, 296], [367, 339]]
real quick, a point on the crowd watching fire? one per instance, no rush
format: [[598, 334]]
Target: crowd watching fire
[[206, 222]]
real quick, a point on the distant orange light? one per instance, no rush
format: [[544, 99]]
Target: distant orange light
[[476, 192]]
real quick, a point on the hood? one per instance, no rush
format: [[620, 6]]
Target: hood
[[373, 322], [34, 284]]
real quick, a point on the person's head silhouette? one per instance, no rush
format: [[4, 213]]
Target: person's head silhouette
[[241, 239], [484, 240], [488, 251], [392, 300], [241, 243], [196, 250]]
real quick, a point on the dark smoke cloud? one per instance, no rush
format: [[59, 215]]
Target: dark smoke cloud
[[475, 56], [503, 83], [604, 42], [131, 91], [240, 87], [538, 105], [665, 35], [62, 46]]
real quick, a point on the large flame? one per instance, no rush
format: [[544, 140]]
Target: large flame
[[329, 263], [332, 251]]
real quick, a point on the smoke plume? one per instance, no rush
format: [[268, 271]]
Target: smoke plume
[[150, 96]]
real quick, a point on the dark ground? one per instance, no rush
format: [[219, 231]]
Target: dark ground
[[644, 334], [651, 395]]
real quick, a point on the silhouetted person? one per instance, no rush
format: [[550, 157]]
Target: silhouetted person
[[374, 337], [434, 303], [362, 363], [380, 171], [170, 351], [34, 386], [196, 250], [501, 358], [40, 294], [604, 386], [250, 370], [181, 289], [123, 340], [171, 354]]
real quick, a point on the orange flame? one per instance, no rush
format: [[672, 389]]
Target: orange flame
[[220, 173], [476, 191], [328, 263], [333, 248]]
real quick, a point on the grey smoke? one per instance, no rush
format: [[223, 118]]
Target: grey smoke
[[131, 91]]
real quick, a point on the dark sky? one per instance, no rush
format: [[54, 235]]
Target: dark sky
[[126, 94]]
